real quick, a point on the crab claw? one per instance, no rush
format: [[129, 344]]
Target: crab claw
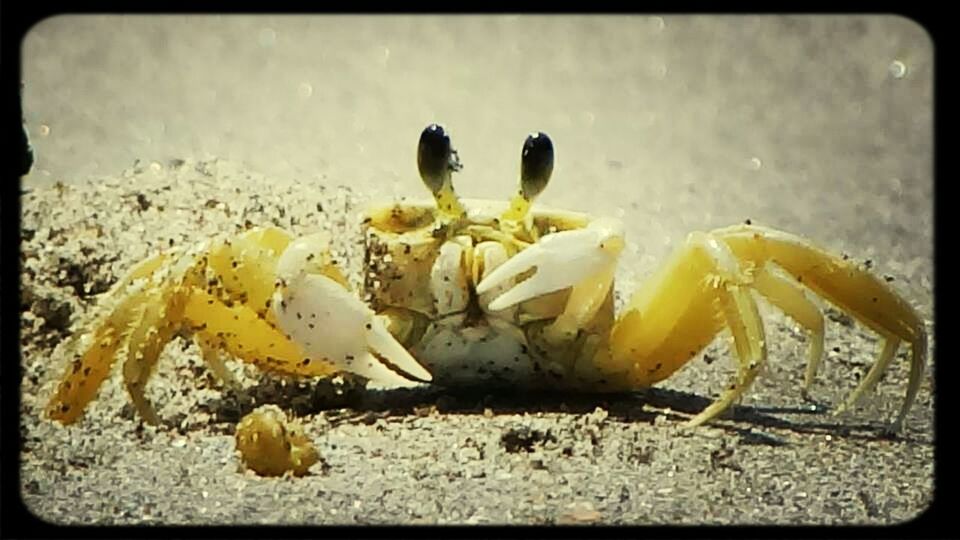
[[562, 260], [314, 308]]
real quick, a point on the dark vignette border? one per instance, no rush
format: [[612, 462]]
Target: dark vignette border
[[17, 522]]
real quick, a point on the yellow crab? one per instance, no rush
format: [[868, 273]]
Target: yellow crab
[[481, 292]]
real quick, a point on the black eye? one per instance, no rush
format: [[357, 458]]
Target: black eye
[[536, 164], [435, 156]]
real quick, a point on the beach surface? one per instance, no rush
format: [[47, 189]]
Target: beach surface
[[151, 132]]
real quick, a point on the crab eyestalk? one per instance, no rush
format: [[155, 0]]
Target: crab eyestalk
[[437, 161], [536, 166]]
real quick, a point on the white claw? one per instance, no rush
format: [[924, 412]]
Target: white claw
[[562, 260], [381, 340], [330, 322], [305, 255]]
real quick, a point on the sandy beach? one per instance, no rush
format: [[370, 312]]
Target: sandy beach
[[158, 131]]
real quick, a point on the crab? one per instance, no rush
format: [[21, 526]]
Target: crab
[[475, 292]]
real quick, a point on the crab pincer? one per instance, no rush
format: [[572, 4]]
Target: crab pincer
[[314, 307], [561, 259]]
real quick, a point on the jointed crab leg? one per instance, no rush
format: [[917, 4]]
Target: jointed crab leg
[[680, 310], [742, 318], [706, 286], [851, 288], [788, 295], [226, 294], [214, 291], [156, 325], [86, 372]]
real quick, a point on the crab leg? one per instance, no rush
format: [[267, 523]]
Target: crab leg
[[95, 352], [677, 319], [213, 356], [156, 325], [789, 296], [705, 286], [655, 327], [848, 286], [246, 335], [220, 291], [742, 317], [680, 310]]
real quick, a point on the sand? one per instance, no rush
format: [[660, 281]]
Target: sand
[[425, 455], [671, 124]]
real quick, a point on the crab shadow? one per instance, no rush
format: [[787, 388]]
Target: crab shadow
[[346, 403]]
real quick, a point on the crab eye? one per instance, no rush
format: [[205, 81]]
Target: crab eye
[[436, 158], [536, 164]]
